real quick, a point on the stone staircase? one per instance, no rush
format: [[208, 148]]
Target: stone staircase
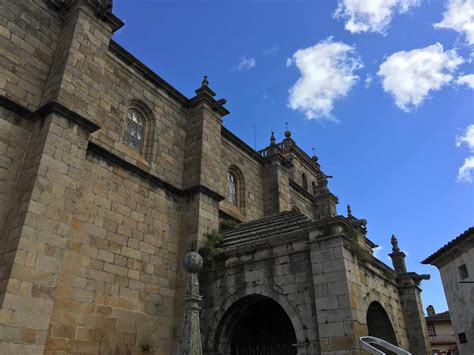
[[283, 225]]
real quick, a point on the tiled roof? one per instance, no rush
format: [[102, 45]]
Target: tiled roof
[[463, 237], [444, 316]]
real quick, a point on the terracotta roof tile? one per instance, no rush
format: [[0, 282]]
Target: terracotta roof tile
[[463, 237]]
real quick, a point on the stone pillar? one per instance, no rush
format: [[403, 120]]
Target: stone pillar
[[51, 180], [324, 202], [77, 74], [276, 183], [205, 180], [190, 341], [329, 263], [410, 294]]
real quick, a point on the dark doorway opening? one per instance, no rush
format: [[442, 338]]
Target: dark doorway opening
[[379, 324], [259, 326]]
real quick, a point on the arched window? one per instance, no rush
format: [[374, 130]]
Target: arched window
[[232, 188], [236, 188], [134, 135], [305, 181]]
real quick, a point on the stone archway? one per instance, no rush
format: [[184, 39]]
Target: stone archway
[[379, 324], [255, 324]]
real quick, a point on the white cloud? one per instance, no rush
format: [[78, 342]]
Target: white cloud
[[246, 63], [271, 50], [459, 16], [371, 15], [368, 80], [466, 80], [410, 76], [465, 171], [327, 75], [467, 138], [377, 251]]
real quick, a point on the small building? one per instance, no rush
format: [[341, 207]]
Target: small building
[[455, 262], [441, 332]]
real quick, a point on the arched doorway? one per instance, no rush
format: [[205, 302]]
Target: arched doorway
[[379, 323], [255, 325]]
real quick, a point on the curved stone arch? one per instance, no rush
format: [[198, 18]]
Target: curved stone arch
[[240, 193], [377, 302], [148, 150], [389, 310], [289, 307]]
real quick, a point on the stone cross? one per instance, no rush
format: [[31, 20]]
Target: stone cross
[[190, 342]]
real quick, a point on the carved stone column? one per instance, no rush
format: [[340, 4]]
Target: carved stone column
[[190, 341]]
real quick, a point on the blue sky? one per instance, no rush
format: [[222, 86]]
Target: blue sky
[[393, 141]]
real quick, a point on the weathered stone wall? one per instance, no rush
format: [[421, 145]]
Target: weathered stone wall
[[296, 174], [14, 136], [28, 39], [369, 282], [346, 282], [39, 229], [281, 273], [460, 296], [302, 202], [116, 287]]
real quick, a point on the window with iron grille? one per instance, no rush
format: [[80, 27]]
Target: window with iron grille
[[134, 129]]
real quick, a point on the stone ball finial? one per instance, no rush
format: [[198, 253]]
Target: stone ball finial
[[287, 134], [193, 262]]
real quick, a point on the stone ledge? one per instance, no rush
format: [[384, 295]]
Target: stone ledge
[[50, 107]]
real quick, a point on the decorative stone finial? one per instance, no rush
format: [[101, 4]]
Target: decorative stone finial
[[397, 256], [394, 242], [272, 139], [314, 158], [287, 132], [349, 211], [205, 82], [193, 262]]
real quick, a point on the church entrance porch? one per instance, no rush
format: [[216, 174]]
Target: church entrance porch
[[256, 325]]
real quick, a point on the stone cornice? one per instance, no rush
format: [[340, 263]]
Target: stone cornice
[[301, 190], [147, 73], [50, 107], [102, 9], [241, 144], [204, 190]]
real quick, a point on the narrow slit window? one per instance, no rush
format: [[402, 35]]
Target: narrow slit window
[[463, 274], [232, 188]]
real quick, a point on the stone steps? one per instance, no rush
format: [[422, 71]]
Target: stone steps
[[275, 227]]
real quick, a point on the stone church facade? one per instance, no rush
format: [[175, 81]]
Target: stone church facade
[[109, 175]]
